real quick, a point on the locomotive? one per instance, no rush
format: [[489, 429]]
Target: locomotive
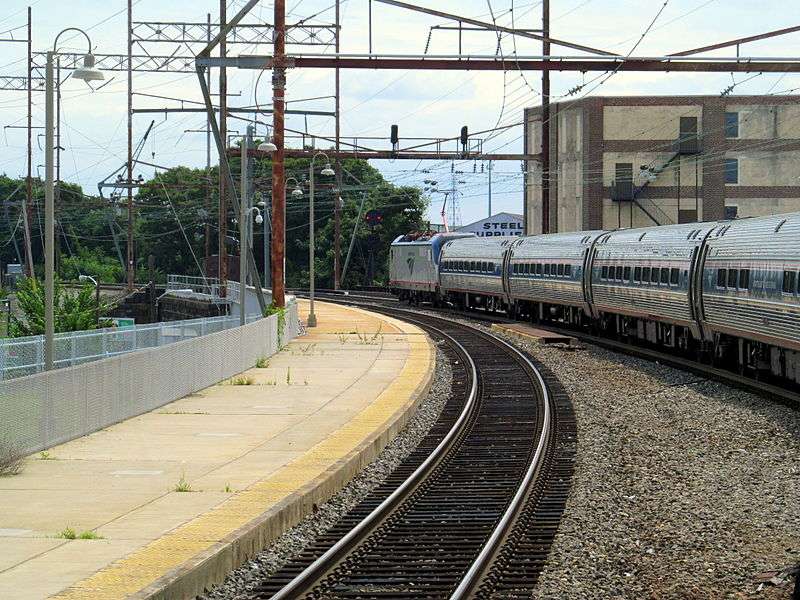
[[725, 292]]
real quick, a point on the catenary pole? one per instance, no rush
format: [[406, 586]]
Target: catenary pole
[[222, 255], [278, 172], [546, 119], [130, 265]]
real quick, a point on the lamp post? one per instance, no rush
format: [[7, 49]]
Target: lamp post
[[244, 223], [96, 295], [86, 73], [328, 172]]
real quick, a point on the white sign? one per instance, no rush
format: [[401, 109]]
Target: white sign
[[499, 225]]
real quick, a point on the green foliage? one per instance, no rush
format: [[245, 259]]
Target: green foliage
[[90, 535], [74, 311], [68, 533], [262, 363], [281, 312], [182, 485], [92, 262]]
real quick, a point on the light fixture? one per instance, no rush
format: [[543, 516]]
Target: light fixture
[[88, 72], [267, 146], [328, 171], [259, 219], [297, 193]]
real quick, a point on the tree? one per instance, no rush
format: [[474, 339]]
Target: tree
[[73, 311]]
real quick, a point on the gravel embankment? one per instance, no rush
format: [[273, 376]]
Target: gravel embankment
[[238, 584], [683, 488]]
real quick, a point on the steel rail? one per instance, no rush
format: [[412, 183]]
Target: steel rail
[[316, 570], [482, 564]]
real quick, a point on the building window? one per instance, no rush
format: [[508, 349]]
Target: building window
[[731, 125], [731, 212], [731, 170]]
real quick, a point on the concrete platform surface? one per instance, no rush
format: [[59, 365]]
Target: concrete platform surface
[[534, 334], [175, 498]]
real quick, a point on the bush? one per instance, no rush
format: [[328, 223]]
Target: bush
[[73, 311], [12, 459]]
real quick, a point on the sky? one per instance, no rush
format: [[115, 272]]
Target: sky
[[421, 103]]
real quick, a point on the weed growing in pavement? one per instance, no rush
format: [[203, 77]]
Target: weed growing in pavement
[[68, 533], [228, 489], [45, 455], [12, 459], [90, 535], [182, 485], [288, 375], [342, 338], [262, 363], [243, 380]]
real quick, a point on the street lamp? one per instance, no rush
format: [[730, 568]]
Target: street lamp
[[87, 73], [96, 294], [328, 172]]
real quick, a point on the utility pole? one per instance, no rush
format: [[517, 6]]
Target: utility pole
[[490, 188], [278, 174], [546, 119], [57, 188], [244, 225], [131, 270], [208, 164], [222, 270], [27, 210], [337, 198]]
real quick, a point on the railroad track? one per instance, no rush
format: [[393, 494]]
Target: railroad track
[[473, 510]]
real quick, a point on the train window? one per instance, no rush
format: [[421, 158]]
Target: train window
[[637, 274], [491, 267], [538, 269], [604, 273], [645, 274], [744, 279], [485, 267], [619, 273], [514, 269], [654, 275], [472, 265], [733, 278], [568, 270], [553, 269], [674, 276], [626, 275], [560, 270], [547, 269], [664, 275], [789, 282], [722, 277]]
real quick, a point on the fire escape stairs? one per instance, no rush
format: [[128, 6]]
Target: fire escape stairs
[[637, 190]]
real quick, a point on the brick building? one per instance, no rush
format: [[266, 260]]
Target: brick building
[[638, 161]]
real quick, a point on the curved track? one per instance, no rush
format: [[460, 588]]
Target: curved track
[[473, 510]]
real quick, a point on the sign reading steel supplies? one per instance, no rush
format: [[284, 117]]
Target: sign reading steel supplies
[[499, 225]]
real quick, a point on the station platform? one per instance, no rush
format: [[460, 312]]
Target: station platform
[[175, 498]]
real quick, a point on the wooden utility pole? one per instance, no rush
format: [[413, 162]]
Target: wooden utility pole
[[222, 253], [278, 182], [337, 200], [131, 271], [546, 119]]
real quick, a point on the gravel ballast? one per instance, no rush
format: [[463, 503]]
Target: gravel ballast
[[238, 584], [683, 487]]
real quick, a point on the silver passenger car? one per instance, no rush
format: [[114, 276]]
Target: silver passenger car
[[647, 274], [473, 266], [549, 269], [751, 271]]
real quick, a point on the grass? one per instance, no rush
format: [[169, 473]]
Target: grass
[[68, 533], [262, 363], [366, 340], [45, 455], [288, 375], [182, 485], [12, 459], [228, 489], [342, 338], [243, 380]]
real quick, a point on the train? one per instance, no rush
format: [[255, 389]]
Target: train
[[726, 293]]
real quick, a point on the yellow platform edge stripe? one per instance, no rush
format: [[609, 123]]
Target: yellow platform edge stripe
[[157, 559]]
